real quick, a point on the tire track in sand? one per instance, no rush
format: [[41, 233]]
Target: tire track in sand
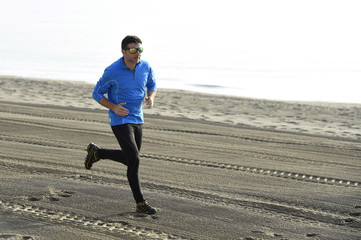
[[235, 167], [209, 133], [74, 219], [284, 209]]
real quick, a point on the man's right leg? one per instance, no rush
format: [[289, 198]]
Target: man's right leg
[[128, 155], [112, 154], [96, 153]]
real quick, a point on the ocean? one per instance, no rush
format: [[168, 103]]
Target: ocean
[[279, 49]]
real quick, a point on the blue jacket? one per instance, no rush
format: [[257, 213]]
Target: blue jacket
[[123, 85]]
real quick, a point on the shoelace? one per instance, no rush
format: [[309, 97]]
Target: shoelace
[[143, 206]]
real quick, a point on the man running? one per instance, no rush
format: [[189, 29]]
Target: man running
[[125, 82]]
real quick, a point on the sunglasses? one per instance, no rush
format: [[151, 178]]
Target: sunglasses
[[135, 50]]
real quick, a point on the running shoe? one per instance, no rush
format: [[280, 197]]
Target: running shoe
[[92, 156], [144, 207]]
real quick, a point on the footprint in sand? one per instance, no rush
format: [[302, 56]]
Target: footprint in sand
[[17, 237], [356, 213], [33, 199], [133, 215], [263, 234], [53, 196]]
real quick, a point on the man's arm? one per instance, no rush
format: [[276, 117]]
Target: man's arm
[[117, 108]]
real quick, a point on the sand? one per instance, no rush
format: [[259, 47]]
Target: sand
[[216, 167]]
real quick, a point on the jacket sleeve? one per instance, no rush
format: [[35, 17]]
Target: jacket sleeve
[[151, 83], [102, 87]]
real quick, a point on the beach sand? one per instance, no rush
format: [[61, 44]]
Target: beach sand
[[215, 167]]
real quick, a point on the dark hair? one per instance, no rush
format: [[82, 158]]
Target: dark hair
[[130, 39]]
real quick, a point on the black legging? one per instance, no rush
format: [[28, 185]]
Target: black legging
[[129, 137]]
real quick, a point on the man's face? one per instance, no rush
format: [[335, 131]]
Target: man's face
[[133, 58]]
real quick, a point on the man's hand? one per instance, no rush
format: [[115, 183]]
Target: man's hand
[[150, 98], [149, 102], [117, 108], [120, 110]]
